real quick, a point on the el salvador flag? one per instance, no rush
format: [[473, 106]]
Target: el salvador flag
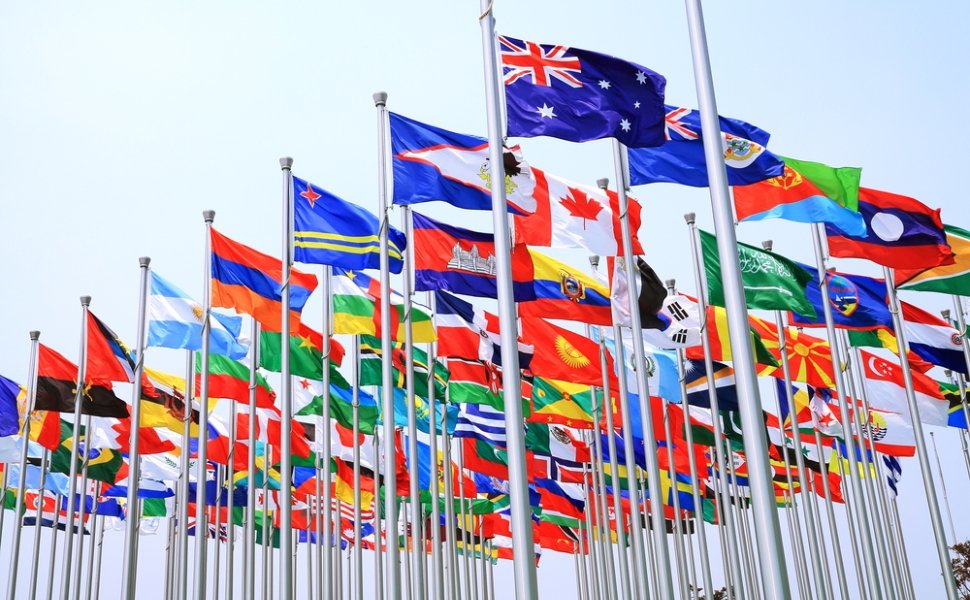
[[175, 321]]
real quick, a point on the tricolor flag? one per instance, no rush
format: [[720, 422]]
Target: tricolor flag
[[933, 339], [565, 292], [465, 331], [356, 309], [57, 389]]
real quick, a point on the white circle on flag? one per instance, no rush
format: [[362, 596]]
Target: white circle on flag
[[887, 226]]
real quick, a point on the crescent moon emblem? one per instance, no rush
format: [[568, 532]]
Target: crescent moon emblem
[[878, 370]]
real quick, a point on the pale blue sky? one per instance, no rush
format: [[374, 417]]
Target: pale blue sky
[[120, 122]]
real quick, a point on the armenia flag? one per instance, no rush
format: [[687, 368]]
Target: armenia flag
[[901, 233], [946, 279], [250, 282], [806, 192], [681, 157], [331, 231]]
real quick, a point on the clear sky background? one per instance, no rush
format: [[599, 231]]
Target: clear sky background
[[120, 122]]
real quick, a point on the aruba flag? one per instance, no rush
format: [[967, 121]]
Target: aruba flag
[[250, 282]]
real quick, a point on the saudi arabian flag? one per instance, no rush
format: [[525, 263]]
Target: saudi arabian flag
[[356, 311], [370, 367], [771, 281], [947, 279]]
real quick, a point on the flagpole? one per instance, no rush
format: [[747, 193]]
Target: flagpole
[[830, 513], [22, 479], [216, 559], [249, 541], [606, 544], [83, 500], [921, 451], [962, 331], [91, 551], [462, 518], [591, 553], [725, 500], [184, 484], [378, 531], [451, 558], [665, 581], [408, 292], [66, 560], [768, 529], [436, 568], [230, 471], [524, 567], [326, 572], [692, 465], [684, 575], [959, 376], [358, 538], [35, 553]]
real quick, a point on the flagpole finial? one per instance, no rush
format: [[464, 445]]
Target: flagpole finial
[[671, 284], [691, 218], [85, 300], [144, 261], [208, 215], [286, 162], [767, 245], [380, 98], [603, 183], [34, 335], [945, 313], [594, 260]]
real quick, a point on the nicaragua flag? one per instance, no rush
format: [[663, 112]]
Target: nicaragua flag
[[175, 321], [331, 231], [681, 157]]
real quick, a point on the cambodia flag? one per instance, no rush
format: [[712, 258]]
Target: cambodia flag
[[463, 261], [901, 233]]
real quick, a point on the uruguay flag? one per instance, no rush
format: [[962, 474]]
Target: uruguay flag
[[681, 157], [175, 321]]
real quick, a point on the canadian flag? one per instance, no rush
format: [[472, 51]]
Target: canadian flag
[[570, 215]]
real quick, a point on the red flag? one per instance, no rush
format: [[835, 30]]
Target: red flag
[[564, 355]]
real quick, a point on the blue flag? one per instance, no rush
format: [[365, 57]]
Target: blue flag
[[857, 302], [431, 163], [331, 231], [9, 414], [578, 95], [681, 158]]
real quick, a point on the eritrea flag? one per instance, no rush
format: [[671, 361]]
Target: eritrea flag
[[806, 192]]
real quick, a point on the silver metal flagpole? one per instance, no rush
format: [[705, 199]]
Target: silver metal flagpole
[[962, 329], [438, 585], [326, 570], [53, 547], [266, 581], [463, 519], [416, 521], [249, 543], [451, 557], [606, 545], [684, 576], [830, 514], [35, 553], [230, 499], [378, 530], [217, 555], [358, 539], [201, 524], [22, 479], [524, 566], [182, 585], [725, 502], [774, 572], [921, 451], [393, 566], [96, 591], [67, 561], [665, 581], [286, 396], [169, 559], [91, 551], [83, 500], [130, 568]]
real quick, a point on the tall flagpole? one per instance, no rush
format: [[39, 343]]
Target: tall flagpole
[[959, 377], [201, 523], [230, 499], [66, 561], [249, 544], [606, 545], [130, 568], [82, 501], [393, 566], [725, 501], [326, 571], [286, 397], [35, 554], [939, 535], [774, 571], [451, 558], [358, 539], [416, 521], [22, 478], [524, 566], [438, 585], [665, 583], [182, 586], [53, 547]]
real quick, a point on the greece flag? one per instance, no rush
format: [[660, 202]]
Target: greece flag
[[175, 321]]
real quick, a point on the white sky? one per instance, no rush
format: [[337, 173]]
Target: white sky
[[120, 122]]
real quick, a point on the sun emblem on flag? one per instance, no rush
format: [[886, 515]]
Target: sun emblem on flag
[[197, 311], [569, 354], [877, 426]]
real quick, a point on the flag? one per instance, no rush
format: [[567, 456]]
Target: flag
[[572, 215], [894, 471], [175, 321], [230, 379], [650, 295], [250, 282], [933, 339], [107, 358], [680, 159], [891, 433], [562, 402], [564, 292], [901, 233], [370, 372], [342, 408], [463, 261], [163, 402], [771, 281], [806, 192], [947, 279], [57, 389], [356, 309], [475, 382], [695, 380], [431, 163], [563, 354], [858, 302], [884, 381], [719, 339], [465, 331], [331, 231], [809, 358], [10, 391], [306, 354], [578, 95], [481, 422]]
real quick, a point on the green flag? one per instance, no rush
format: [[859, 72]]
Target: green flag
[[946, 279], [840, 184], [370, 367], [306, 356], [771, 281]]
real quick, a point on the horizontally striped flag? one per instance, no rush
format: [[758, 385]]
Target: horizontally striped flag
[[356, 309], [481, 422]]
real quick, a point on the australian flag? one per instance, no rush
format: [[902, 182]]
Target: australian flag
[[681, 158], [578, 95]]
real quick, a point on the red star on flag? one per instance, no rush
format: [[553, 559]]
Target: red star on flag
[[305, 384], [310, 195]]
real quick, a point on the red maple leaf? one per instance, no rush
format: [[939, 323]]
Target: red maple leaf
[[581, 205]]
